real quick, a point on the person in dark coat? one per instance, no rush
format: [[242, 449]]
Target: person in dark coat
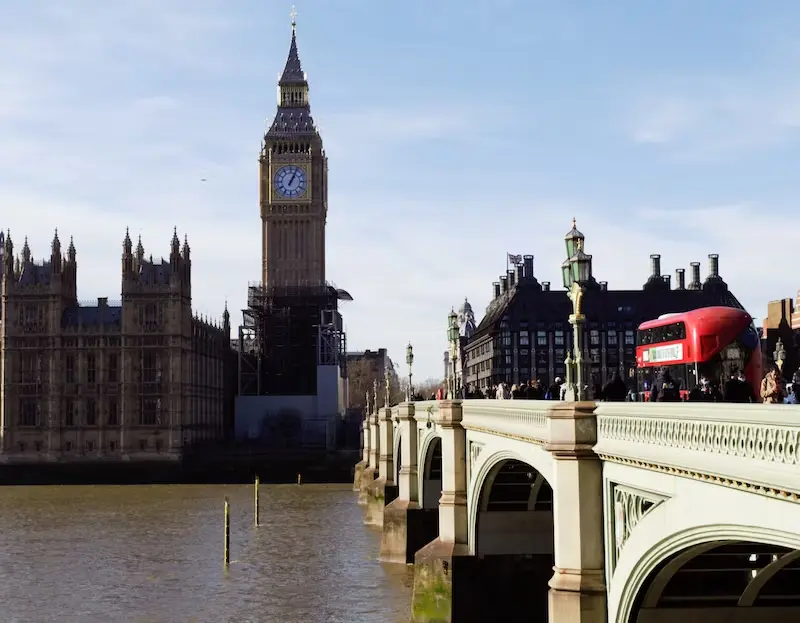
[[665, 388], [615, 390]]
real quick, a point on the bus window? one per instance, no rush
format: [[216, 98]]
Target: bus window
[[668, 333]]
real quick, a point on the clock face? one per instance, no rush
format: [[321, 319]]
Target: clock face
[[290, 181]]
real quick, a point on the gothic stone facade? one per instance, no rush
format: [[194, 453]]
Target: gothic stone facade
[[140, 380]]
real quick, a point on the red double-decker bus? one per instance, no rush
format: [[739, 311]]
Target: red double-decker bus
[[710, 342]]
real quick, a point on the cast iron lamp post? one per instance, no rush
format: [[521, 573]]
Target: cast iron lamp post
[[576, 273], [452, 336], [410, 362]]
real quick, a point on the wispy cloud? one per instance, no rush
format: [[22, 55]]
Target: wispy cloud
[[712, 117]]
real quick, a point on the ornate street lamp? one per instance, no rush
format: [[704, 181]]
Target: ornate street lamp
[[410, 362], [576, 271], [452, 336], [779, 355]]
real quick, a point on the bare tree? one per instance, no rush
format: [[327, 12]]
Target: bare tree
[[360, 375], [427, 388]]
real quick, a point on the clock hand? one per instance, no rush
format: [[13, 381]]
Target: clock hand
[[294, 175]]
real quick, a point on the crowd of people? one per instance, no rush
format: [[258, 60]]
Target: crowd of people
[[664, 388]]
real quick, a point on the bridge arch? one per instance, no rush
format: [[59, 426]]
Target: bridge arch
[[511, 532], [737, 570], [485, 472], [429, 471]]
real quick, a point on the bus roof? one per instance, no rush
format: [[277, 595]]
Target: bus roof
[[699, 315]]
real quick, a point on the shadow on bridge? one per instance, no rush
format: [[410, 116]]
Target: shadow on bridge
[[514, 542], [723, 582]]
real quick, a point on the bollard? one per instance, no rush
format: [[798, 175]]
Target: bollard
[[299, 479], [227, 552], [256, 507]]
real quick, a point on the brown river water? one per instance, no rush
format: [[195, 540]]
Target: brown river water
[[152, 554]]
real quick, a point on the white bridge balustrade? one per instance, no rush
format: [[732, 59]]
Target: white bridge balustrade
[[584, 512]]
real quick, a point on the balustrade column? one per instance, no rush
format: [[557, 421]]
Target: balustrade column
[[445, 561], [386, 459], [358, 470], [453, 524], [577, 588], [366, 441], [375, 446], [409, 483]]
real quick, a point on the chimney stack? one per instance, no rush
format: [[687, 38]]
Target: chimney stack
[[511, 281], [527, 265], [520, 273], [713, 266], [694, 284], [603, 286], [680, 279], [655, 266], [496, 289], [668, 280], [503, 284], [545, 286]]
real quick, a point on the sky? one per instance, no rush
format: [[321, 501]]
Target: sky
[[457, 131]]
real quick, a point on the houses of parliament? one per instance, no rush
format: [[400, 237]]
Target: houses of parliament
[[140, 380]]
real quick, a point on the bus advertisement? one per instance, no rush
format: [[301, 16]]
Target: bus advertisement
[[710, 343]]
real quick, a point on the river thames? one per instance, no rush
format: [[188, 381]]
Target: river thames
[[152, 554]]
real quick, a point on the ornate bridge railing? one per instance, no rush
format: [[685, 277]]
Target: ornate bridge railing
[[750, 447]]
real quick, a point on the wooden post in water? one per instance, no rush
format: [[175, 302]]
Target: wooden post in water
[[256, 508], [299, 479], [227, 551]]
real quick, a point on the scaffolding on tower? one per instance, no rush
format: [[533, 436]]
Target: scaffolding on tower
[[286, 332]]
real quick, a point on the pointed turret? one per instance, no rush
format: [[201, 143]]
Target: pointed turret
[[127, 243], [55, 254], [293, 73], [8, 254], [71, 251], [185, 249], [294, 112], [140, 250], [226, 318], [26, 251], [176, 243]]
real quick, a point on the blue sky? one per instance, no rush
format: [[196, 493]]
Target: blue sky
[[456, 130]]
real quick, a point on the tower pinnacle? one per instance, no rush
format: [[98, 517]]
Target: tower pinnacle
[[293, 15]]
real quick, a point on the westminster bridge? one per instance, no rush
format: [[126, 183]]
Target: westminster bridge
[[579, 512]]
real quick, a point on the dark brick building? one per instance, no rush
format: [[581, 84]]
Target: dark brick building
[[525, 333]]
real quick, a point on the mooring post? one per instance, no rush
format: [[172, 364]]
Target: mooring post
[[227, 551], [256, 507]]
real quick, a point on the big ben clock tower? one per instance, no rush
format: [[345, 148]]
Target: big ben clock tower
[[294, 186]]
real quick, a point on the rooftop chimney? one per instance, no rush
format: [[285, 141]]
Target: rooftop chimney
[[655, 266], [496, 289], [713, 266], [694, 284], [527, 265], [604, 285], [520, 273], [545, 286], [503, 284], [511, 281], [680, 279], [668, 280], [102, 301]]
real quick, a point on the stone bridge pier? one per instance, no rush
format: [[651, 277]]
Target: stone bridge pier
[[407, 526], [383, 489]]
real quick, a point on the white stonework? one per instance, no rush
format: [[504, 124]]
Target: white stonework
[[639, 483]]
